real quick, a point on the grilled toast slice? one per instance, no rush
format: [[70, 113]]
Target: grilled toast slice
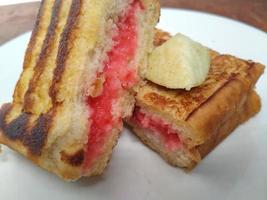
[[184, 126], [76, 83]]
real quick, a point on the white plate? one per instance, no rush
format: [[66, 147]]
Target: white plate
[[11, 2], [237, 169]]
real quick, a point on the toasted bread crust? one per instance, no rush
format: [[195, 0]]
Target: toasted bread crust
[[33, 50], [207, 114], [41, 123], [33, 138], [26, 126], [250, 108], [160, 37], [227, 100], [229, 81], [41, 63], [225, 70], [190, 158], [65, 44], [201, 110]]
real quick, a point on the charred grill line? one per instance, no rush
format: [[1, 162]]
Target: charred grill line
[[34, 33], [17, 130], [33, 137], [73, 160], [46, 49], [63, 49], [27, 59], [210, 98], [233, 77]]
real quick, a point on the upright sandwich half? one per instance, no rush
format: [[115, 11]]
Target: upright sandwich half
[[83, 58], [184, 126]]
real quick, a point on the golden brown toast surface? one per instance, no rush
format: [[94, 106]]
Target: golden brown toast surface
[[36, 120], [182, 104], [48, 119], [202, 110], [183, 158], [205, 115]]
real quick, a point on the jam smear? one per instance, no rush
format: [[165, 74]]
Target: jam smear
[[118, 76], [159, 128]]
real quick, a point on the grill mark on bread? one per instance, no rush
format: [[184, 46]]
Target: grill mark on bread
[[19, 130], [4, 111], [210, 98], [63, 50], [29, 50], [58, 120], [75, 159], [33, 138], [33, 36], [32, 52], [41, 63], [183, 104], [233, 77]]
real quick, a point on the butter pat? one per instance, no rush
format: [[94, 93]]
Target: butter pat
[[179, 63]]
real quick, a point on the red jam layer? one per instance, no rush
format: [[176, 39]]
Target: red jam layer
[[159, 128], [118, 76]]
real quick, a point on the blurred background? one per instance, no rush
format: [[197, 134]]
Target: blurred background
[[18, 16]]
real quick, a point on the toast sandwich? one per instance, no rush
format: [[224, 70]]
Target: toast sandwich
[[184, 126], [83, 59]]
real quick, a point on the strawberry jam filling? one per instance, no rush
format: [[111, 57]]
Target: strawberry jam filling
[[118, 75], [160, 129]]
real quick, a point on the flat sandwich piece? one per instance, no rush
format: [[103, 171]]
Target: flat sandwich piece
[[81, 64], [184, 126]]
